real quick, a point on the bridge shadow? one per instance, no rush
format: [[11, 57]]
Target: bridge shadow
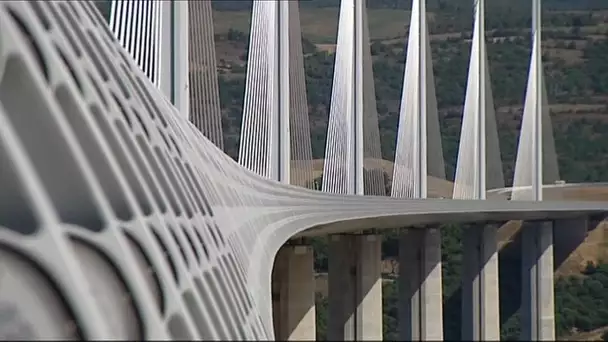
[[568, 235]]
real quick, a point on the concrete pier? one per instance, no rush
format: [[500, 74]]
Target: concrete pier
[[355, 288], [293, 294], [420, 302], [538, 300], [480, 295]]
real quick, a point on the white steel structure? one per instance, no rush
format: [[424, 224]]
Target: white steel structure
[[119, 219]]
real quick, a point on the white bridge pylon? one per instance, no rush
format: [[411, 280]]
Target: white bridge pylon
[[479, 169], [275, 134], [155, 33]]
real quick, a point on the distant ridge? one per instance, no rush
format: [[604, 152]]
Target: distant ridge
[[448, 5]]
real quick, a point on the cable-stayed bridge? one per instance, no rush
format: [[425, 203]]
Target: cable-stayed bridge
[[122, 218]]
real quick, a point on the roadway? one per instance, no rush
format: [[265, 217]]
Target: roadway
[[353, 217], [313, 213], [560, 191]]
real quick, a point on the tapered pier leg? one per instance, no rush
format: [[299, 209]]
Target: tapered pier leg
[[420, 288], [293, 287], [480, 299], [537, 304], [355, 288]]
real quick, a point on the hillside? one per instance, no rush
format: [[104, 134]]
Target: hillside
[[574, 68]]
